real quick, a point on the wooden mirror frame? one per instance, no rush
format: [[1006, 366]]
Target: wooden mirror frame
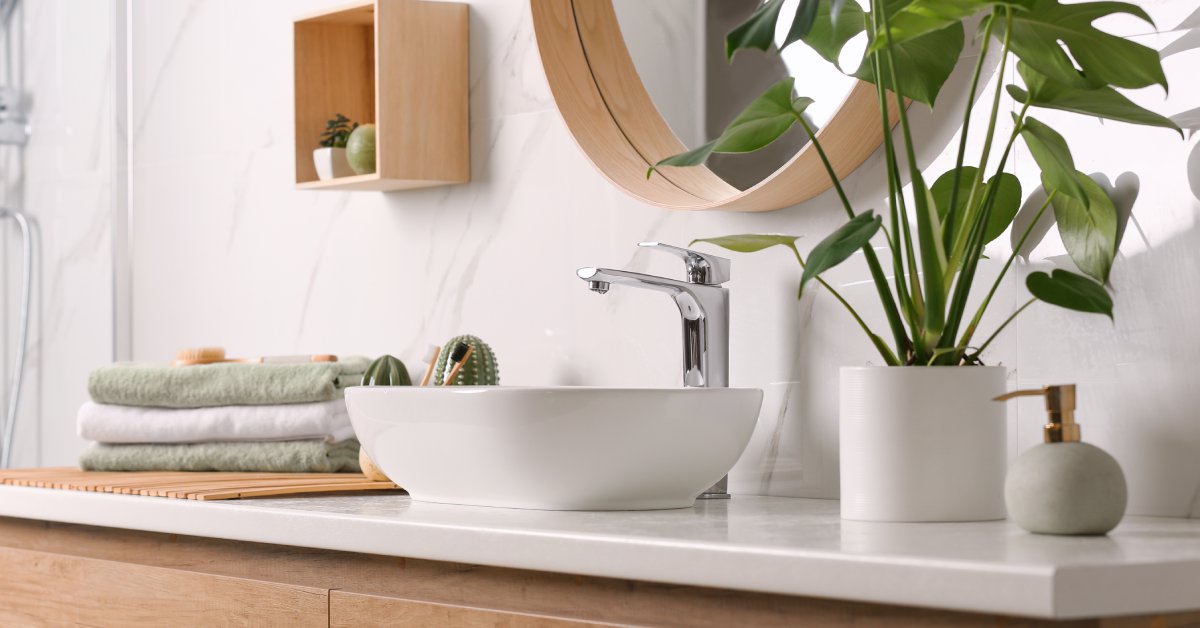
[[616, 124]]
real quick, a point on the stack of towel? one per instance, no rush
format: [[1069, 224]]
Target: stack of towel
[[278, 418]]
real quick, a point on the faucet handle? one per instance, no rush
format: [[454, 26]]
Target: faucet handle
[[702, 268]]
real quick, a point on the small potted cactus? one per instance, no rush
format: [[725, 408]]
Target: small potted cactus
[[330, 159]]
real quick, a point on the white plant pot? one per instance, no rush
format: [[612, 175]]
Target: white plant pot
[[922, 443], [331, 163]]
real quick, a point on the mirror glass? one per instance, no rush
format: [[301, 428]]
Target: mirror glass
[[678, 47]]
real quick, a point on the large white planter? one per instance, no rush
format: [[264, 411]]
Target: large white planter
[[922, 443], [331, 163]]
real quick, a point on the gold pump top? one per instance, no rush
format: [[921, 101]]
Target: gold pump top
[[1060, 405]]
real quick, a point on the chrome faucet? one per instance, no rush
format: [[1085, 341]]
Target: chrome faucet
[[704, 307]]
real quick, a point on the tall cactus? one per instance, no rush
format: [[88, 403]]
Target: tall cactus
[[481, 368]]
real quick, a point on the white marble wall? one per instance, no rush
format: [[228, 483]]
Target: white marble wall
[[225, 251], [64, 181]]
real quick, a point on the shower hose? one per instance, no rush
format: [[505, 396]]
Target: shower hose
[[14, 397]]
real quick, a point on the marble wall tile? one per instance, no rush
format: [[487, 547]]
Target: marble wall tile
[[65, 184], [226, 251]]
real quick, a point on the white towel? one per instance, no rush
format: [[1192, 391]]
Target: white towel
[[326, 420]]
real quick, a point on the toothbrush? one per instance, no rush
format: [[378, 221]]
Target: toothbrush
[[431, 355], [462, 353]]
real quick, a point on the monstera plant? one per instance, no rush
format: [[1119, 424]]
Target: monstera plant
[[937, 226]]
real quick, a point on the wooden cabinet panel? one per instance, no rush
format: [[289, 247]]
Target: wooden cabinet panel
[[355, 610], [45, 589]]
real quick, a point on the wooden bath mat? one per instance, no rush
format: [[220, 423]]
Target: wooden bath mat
[[203, 486]]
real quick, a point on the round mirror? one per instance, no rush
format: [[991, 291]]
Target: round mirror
[[638, 81]]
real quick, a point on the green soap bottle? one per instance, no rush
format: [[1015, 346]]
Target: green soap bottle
[[1064, 486]]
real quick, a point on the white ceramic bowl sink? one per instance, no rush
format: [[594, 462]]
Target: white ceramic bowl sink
[[554, 448]]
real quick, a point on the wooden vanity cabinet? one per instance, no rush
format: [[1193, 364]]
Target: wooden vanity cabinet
[[70, 575]]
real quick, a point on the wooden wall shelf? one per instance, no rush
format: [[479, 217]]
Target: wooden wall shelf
[[401, 64]]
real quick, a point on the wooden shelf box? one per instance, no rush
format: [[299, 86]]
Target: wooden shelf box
[[401, 64]]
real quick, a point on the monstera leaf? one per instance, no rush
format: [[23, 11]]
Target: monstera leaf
[[922, 64], [751, 242], [1102, 102], [761, 123], [758, 31], [1053, 156], [1103, 59], [835, 24], [922, 17], [840, 245], [1088, 230], [1073, 292]]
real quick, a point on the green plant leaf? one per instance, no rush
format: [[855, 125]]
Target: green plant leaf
[[943, 188], [758, 31], [922, 17], [840, 245], [1089, 232], [751, 242], [1104, 59], [1103, 102], [836, 23], [1071, 291], [802, 21], [1004, 207], [694, 157], [922, 64], [762, 122], [1052, 155]]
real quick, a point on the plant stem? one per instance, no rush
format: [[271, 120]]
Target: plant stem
[[975, 245], [933, 257], [966, 339], [877, 277], [961, 241], [952, 212], [909, 301], [888, 356], [1008, 320], [837, 185]]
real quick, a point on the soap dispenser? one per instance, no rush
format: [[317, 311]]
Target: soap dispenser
[[1064, 485]]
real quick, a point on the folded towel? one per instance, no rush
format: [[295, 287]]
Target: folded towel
[[208, 385], [296, 456], [326, 420]]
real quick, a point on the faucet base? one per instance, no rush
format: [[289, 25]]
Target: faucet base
[[720, 490]]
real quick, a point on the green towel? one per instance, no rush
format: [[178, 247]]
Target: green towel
[[293, 456], [127, 384]]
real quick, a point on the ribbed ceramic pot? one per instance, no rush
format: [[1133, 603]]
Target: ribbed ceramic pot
[[922, 443]]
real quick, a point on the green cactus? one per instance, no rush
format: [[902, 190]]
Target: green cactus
[[480, 370], [387, 371]]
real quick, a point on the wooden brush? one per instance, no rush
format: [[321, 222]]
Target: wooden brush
[[216, 355], [201, 355]]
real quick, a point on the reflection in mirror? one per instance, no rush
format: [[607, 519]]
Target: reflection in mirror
[[678, 47]]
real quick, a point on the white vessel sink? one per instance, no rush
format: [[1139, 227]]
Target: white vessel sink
[[554, 448]]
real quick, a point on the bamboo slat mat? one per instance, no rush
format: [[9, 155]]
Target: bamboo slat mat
[[203, 486]]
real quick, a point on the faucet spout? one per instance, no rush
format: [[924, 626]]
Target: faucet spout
[[704, 310]]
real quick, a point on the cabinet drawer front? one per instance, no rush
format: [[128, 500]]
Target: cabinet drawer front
[[41, 589], [355, 610]]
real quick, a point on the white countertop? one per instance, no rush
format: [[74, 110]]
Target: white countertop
[[769, 544]]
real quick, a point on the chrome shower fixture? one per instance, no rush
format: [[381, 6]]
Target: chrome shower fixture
[[14, 129], [8, 422], [7, 8]]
